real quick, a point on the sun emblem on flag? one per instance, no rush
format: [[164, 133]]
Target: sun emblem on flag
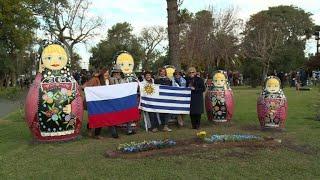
[[149, 89]]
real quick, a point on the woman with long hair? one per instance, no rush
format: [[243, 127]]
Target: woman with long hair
[[99, 78]]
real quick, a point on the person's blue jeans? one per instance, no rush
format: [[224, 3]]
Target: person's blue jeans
[[153, 120], [164, 118]]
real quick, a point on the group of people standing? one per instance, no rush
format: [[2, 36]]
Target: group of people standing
[[104, 78], [158, 121]]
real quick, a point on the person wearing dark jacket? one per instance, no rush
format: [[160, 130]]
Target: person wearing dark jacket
[[197, 88], [163, 80]]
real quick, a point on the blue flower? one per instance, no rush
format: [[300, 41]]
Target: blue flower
[[54, 117], [50, 94]]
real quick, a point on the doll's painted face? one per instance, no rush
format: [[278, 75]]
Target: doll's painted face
[[170, 72], [272, 85], [219, 80], [125, 61], [54, 57]]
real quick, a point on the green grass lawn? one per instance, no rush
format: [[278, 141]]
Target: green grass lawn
[[83, 159]]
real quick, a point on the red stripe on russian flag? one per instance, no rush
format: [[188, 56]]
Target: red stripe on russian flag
[[114, 118]]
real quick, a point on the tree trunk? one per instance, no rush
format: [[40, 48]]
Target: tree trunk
[[13, 79], [265, 70], [173, 33], [1, 82]]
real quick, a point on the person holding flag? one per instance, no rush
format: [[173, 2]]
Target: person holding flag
[[197, 88], [101, 78], [151, 118], [164, 80], [112, 105]]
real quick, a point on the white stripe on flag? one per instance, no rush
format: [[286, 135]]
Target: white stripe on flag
[[99, 93], [165, 104], [175, 91], [163, 111], [172, 98]]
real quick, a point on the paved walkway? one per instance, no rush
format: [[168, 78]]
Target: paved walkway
[[8, 106]]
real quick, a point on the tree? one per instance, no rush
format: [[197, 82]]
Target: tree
[[208, 39], [119, 37], [17, 25], [173, 33], [313, 63], [276, 37], [151, 38], [261, 39], [70, 22]]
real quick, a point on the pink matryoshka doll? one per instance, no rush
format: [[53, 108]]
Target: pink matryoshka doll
[[272, 105], [219, 99], [54, 108]]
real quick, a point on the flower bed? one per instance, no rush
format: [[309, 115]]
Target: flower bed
[[145, 145], [228, 137]]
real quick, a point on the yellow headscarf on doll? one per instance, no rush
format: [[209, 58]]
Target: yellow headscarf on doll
[[219, 80], [54, 57], [272, 85], [126, 63]]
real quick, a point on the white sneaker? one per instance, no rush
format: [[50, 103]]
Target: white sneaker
[[167, 129]]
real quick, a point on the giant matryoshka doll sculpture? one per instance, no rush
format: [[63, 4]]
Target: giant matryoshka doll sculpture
[[219, 99], [125, 61], [54, 106], [272, 105]]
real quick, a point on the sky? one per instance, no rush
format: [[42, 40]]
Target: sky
[[144, 13]]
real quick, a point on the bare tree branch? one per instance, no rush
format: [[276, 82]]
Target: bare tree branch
[[72, 24]]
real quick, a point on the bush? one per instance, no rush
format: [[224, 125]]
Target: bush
[[10, 93], [252, 72]]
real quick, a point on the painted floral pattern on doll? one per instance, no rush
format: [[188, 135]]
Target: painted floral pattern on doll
[[54, 111], [218, 103]]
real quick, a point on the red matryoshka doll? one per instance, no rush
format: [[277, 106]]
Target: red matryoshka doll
[[54, 106], [272, 105], [219, 99]]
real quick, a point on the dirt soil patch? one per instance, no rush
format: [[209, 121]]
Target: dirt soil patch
[[189, 146], [300, 148]]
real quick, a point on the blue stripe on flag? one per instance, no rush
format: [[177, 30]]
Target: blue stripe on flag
[[174, 88], [174, 94], [165, 100], [165, 107], [112, 105]]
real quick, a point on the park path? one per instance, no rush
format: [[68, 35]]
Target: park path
[[8, 106]]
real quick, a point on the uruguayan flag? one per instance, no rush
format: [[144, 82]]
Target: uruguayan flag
[[165, 99]]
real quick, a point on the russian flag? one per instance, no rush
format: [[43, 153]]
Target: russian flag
[[112, 105]]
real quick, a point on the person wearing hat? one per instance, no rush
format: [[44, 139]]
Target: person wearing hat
[[116, 75], [117, 78]]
